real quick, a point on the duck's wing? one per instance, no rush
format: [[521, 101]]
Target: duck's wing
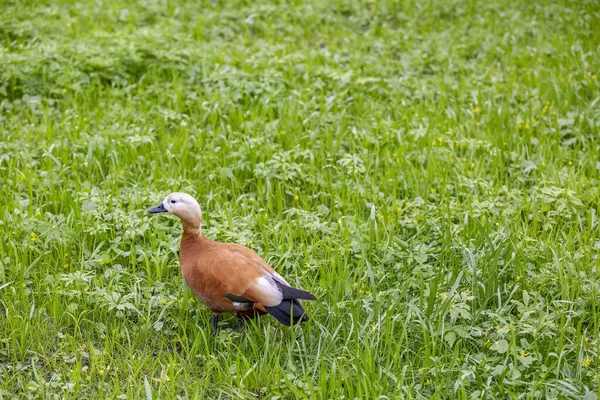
[[244, 276], [248, 278]]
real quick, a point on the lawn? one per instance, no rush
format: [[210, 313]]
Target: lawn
[[428, 169]]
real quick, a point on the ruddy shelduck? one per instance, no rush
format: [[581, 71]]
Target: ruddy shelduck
[[229, 277]]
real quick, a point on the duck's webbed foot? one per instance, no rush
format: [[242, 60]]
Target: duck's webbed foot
[[240, 325]]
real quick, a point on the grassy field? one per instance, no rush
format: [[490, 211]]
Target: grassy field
[[430, 170]]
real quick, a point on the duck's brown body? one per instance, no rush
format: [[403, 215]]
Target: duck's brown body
[[214, 269]]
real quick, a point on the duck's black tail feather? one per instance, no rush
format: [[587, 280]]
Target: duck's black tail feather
[[289, 292], [288, 312]]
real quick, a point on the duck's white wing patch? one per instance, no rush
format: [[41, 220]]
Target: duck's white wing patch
[[269, 293], [280, 279]]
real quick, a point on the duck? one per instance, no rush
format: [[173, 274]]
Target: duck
[[229, 277]]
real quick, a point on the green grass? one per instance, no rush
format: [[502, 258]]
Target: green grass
[[429, 170]]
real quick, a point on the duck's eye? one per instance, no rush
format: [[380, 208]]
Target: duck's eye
[[173, 201]]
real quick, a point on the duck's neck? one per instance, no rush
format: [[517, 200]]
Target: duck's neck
[[192, 244], [192, 229]]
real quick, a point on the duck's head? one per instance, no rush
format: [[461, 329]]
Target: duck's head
[[184, 206]]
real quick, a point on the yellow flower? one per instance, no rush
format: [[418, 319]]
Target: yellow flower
[[381, 217], [472, 164], [368, 293], [417, 115], [570, 162], [33, 236], [406, 204], [428, 382], [37, 214], [170, 303], [476, 109], [524, 354], [64, 90], [399, 209], [361, 291], [432, 190], [101, 372], [65, 266], [586, 362], [296, 197], [518, 277], [444, 297]]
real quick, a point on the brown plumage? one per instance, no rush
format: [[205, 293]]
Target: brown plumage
[[229, 277]]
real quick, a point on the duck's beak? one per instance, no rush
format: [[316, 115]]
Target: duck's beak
[[158, 209]]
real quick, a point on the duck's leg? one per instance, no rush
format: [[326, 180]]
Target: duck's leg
[[215, 323]]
